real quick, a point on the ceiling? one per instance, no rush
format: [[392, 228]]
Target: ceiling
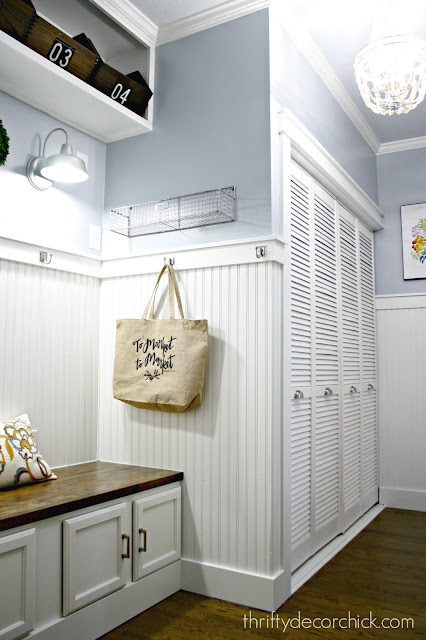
[[338, 28]]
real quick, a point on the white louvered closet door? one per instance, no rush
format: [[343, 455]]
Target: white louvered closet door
[[351, 367], [325, 427], [315, 368], [333, 370], [301, 368], [369, 451]]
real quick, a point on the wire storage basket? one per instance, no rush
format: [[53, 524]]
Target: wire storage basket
[[184, 212]]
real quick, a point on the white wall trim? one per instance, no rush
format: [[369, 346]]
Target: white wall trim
[[412, 499], [198, 257], [130, 18], [241, 587], [402, 145], [191, 257], [18, 251], [401, 301], [314, 564], [312, 156], [209, 18]]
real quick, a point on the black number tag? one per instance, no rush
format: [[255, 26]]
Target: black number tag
[[61, 53], [120, 93]]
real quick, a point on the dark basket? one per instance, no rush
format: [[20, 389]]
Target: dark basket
[[62, 50], [16, 18], [131, 91]]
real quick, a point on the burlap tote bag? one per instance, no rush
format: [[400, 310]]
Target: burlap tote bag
[[160, 364]]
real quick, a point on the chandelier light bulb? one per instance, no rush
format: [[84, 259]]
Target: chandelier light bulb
[[391, 74]]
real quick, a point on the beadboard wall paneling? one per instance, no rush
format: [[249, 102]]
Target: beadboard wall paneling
[[49, 357], [226, 448], [401, 394]]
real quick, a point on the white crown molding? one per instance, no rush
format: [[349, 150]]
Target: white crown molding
[[402, 145], [314, 158], [129, 17], [316, 59], [209, 18]]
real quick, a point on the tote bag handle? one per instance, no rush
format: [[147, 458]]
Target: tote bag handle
[[173, 291]]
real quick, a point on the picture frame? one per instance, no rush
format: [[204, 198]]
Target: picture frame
[[413, 229]]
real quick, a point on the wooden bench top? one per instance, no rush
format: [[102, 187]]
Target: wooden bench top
[[78, 486]]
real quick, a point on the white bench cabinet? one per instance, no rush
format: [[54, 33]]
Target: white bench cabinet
[[17, 575]]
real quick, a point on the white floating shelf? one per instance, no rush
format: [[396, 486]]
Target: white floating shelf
[[28, 76]]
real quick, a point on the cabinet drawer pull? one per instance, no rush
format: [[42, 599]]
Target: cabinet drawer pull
[[125, 537], [298, 394], [352, 389], [143, 547], [370, 387], [328, 391]]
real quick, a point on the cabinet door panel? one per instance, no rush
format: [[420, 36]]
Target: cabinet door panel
[[156, 532], [93, 556], [17, 568]]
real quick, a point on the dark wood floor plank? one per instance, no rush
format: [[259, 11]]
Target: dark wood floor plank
[[382, 570]]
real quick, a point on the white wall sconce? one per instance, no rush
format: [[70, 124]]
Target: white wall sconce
[[64, 166]]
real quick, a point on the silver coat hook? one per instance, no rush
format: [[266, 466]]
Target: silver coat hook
[[45, 257]]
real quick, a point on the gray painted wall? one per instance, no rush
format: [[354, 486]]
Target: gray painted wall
[[295, 85], [211, 129], [401, 180], [59, 217]]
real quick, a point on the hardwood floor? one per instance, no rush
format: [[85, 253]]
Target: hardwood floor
[[383, 570]]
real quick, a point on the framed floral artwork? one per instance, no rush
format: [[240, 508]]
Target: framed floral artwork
[[413, 223]]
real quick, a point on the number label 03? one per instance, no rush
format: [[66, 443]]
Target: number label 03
[[61, 53]]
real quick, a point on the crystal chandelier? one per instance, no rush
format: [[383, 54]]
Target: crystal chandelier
[[391, 74]]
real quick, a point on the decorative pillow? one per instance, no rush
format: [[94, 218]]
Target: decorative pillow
[[20, 460]]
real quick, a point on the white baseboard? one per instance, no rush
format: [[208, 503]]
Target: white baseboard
[[314, 564], [102, 616], [253, 590], [411, 499]]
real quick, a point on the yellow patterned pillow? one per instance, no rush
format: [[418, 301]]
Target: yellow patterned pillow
[[20, 460]]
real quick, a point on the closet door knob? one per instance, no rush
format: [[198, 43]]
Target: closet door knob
[[370, 387], [352, 389], [298, 394], [328, 391]]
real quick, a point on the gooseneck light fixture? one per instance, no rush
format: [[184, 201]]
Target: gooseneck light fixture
[[391, 73], [64, 166]]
